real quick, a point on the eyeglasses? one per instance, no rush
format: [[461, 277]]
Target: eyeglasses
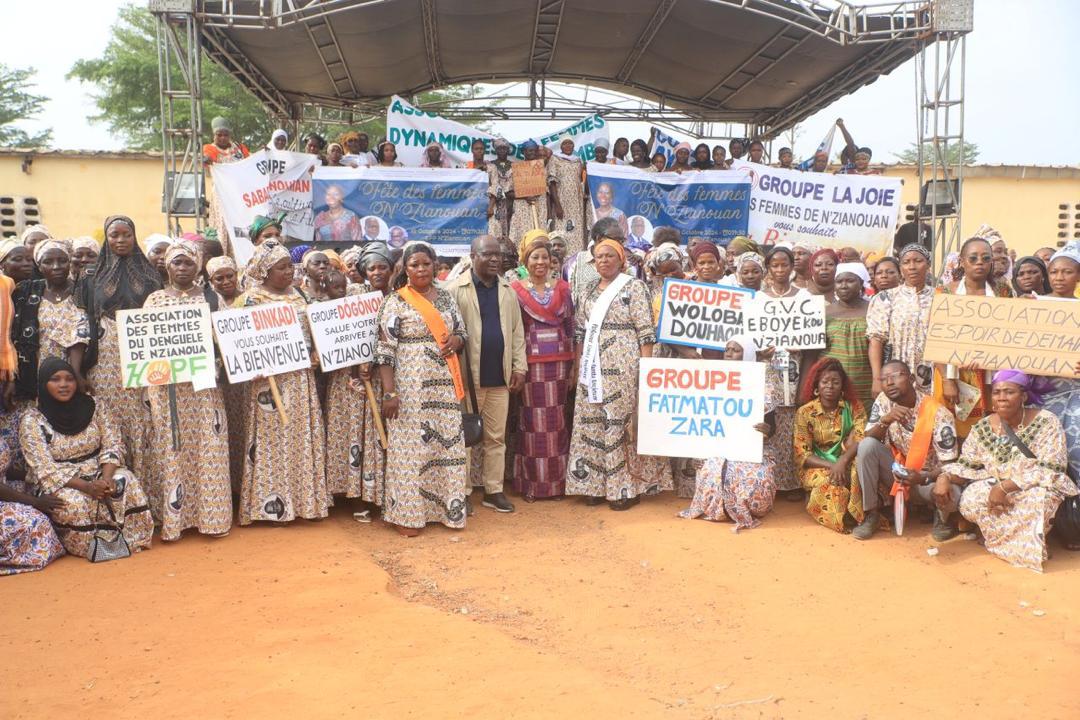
[[977, 258], [892, 377]]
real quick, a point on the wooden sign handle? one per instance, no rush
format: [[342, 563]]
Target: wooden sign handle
[[277, 400], [536, 217], [376, 414]]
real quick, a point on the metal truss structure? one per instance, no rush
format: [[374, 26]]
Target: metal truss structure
[[877, 38]]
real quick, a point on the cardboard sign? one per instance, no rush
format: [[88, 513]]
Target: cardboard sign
[[261, 340], [700, 408], [530, 178], [163, 346], [344, 330], [794, 323], [1039, 338], [701, 314]]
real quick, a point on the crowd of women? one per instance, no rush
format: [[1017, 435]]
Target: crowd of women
[[93, 469]]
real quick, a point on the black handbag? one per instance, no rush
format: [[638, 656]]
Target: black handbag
[[472, 425], [102, 548]]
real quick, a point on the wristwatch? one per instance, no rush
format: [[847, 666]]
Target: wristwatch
[[389, 396]]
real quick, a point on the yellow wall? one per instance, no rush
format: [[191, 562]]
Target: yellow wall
[[78, 190]]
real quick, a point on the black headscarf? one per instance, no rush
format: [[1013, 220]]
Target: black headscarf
[[66, 418], [114, 283], [1038, 263]]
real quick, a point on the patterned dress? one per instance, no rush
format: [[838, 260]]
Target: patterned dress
[[27, 539], [187, 478], [522, 220], [1018, 535], [500, 182], [342, 229], [788, 368], [285, 468], [127, 407], [741, 491], [1063, 401], [846, 341], [603, 461], [425, 461], [544, 436], [55, 459], [899, 318], [816, 429], [61, 325], [355, 460], [571, 191]]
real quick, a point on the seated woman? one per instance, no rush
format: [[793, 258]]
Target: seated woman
[[742, 491], [74, 453], [27, 539], [1013, 463], [828, 429]]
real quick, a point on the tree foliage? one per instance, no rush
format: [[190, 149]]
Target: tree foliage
[[18, 103], [969, 152], [128, 99]]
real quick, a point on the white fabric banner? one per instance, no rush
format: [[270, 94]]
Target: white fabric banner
[[833, 211], [268, 182], [411, 129], [700, 408]]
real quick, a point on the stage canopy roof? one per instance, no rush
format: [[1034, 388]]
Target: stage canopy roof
[[767, 63]]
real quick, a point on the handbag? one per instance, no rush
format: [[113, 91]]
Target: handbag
[[472, 424], [102, 548]]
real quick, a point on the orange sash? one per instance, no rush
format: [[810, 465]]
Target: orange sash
[[919, 448], [437, 326], [9, 361]]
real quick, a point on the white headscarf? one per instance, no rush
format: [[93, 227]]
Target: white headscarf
[[560, 154], [856, 269], [275, 135], [749, 350]]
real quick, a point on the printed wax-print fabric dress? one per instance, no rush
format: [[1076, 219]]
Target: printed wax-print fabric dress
[[846, 341], [1063, 401], [522, 219], [343, 229], [817, 429], [741, 491], [786, 367], [54, 459], [187, 476], [1018, 535], [27, 539], [899, 318], [571, 190], [128, 408], [603, 460], [543, 432], [61, 325], [500, 183], [285, 469], [425, 461]]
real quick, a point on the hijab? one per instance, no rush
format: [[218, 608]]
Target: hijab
[[66, 418], [749, 349], [120, 283]]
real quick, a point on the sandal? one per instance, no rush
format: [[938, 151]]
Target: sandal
[[592, 501], [624, 504]]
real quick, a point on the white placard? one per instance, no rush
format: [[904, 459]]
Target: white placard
[[701, 314], [793, 323], [344, 330], [166, 345], [260, 340]]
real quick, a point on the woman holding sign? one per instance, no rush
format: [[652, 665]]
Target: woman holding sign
[[122, 280], [285, 469], [420, 335], [614, 330], [189, 433], [828, 429]]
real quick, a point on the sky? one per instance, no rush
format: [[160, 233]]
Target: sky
[[1022, 102]]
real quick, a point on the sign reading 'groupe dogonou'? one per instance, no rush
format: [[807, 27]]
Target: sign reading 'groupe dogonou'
[[163, 346], [1041, 338], [262, 340], [700, 408], [793, 323], [701, 314], [344, 330]]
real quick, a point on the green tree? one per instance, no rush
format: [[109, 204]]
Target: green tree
[[18, 103], [127, 97], [969, 152]]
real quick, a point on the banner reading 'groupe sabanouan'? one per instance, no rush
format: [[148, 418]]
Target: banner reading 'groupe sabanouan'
[[701, 314], [700, 408], [269, 182], [411, 129], [444, 207], [713, 205], [858, 211]]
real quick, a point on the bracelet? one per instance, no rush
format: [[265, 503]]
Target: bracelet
[[389, 396]]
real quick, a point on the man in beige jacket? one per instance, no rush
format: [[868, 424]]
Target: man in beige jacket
[[496, 355]]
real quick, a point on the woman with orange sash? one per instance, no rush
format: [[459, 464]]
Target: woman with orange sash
[[420, 334]]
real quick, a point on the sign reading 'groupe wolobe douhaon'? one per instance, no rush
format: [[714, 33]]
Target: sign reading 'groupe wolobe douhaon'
[[701, 314]]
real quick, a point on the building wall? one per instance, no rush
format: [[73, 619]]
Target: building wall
[[78, 190]]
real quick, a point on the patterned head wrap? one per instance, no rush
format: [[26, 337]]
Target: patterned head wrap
[[331, 146], [989, 234], [34, 229], [183, 247], [749, 257], [376, 251], [221, 262], [530, 143], [86, 242], [335, 260], [682, 146], [350, 256], [298, 252], [914, 247], [1070, 251], [741, 244], [47, 244], [663, 254], [262, 222], [532, 238], [500, 142], [265, 257]]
